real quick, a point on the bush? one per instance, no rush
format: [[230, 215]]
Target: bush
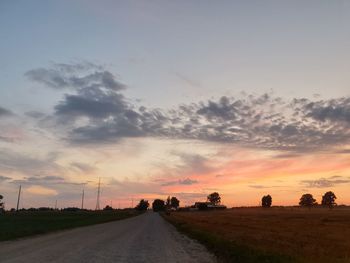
[[142, 205], [266, 201], [2, 209], [158, 205], [214, 198], [307, 200], [328, 199]]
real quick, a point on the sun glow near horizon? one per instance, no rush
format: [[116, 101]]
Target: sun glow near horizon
[[174, 99]]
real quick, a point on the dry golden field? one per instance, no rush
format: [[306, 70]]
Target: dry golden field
[[316, 235]]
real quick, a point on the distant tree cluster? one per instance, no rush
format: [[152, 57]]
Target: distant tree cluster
[[1, 204], [172, 202], [328, 199], [266, 201], [142, 205], [160, 205], [214, 198], [307, 200], [108, 208]]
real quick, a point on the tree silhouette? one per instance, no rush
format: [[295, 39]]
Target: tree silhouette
[[328, 199], [142, 205], [158, 205], [108, 208], [167, 204], [307, 200], [174, 202], [1, 204], [214, 198], [266, 201]]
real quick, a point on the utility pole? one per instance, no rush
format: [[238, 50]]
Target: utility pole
[[82, 200], [19, 196], [132, 202], [56, 204], [98, 194]]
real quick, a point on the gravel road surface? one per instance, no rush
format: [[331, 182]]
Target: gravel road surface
[[144, 238]]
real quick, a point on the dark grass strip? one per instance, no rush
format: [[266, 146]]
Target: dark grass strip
[[25, 223]]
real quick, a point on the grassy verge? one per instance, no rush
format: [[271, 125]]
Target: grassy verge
[[21, 224], [226, 250]]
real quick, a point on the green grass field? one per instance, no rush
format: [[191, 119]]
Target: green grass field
[[25, 223]]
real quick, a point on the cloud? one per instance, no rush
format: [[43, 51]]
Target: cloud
[[40, 190], [6, 139], [257, 186], [49, 180], [344, 151], [95, 111], [35, 114], [286, 156], [186, 181], [82, 167], [193, 163], [4, 112], [11, 161], [4, 178], [75, 76], [325, 182], [189, 81], [335, 110]]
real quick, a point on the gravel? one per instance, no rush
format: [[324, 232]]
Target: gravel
[[144, 238]]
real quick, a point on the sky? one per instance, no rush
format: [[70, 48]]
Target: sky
[[179, 98]]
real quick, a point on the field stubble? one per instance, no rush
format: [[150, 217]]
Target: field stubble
[[315, 235]]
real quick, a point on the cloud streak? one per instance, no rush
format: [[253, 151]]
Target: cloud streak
[[5, 112], [13, 161], [325, 182], [186, 181]]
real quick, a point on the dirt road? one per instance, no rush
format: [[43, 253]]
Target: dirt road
[[145, 238]]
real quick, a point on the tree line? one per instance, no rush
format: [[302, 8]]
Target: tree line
[[159, 204], [1, 204], [306, 200]]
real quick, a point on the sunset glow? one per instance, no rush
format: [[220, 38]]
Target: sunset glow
[[174, 99]]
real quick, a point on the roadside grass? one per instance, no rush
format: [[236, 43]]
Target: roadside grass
[[26, 223], [227, 250]]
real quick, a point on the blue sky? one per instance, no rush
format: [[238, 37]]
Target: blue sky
[[167, 54], [179, 50]]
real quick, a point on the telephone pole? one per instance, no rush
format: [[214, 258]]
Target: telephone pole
[[19, 196], [98, 194], [56, 205], [82, 200]]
